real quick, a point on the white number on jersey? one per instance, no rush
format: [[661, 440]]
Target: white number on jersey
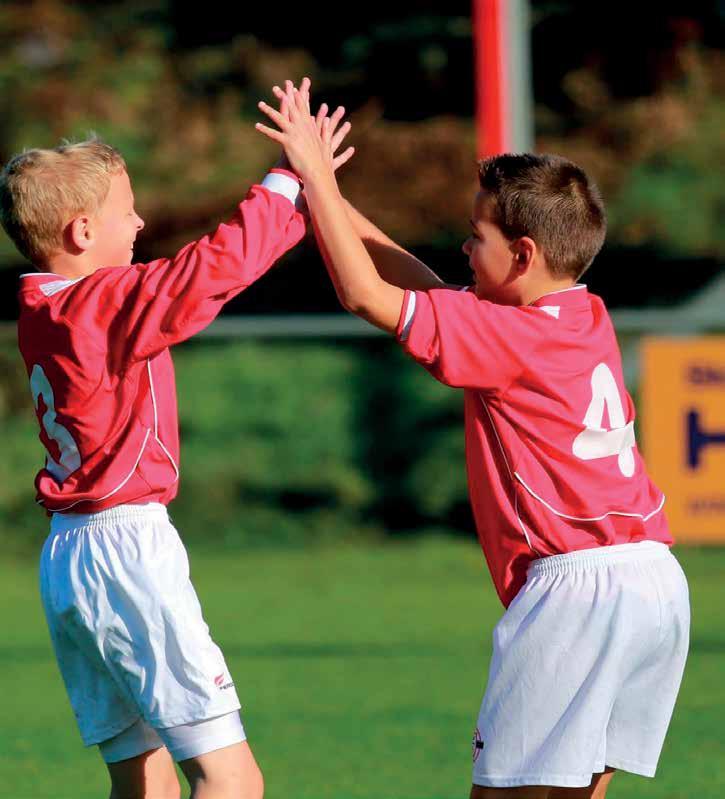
[[597, 442], [70, 459]]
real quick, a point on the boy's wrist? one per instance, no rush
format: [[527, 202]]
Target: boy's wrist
[[320, 177]]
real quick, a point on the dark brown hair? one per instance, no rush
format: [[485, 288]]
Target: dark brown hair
[[551, 200]]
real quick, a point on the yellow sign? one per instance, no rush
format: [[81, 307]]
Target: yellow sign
[[683, 432]]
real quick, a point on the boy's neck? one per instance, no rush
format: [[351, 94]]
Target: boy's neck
[[68, 266], [540, 289]]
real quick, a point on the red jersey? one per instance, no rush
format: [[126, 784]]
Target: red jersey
[[551, 457], [97, 353]]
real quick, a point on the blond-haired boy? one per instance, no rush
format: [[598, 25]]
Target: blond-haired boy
[[146, 682]]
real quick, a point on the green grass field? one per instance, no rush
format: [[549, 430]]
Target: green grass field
[[361, 669]]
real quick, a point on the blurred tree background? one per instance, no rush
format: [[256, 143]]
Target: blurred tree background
[[638, 99]]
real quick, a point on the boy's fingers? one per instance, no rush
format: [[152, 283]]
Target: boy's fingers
[[278, 93], [305, 90], [292, 95], [321, 114], [275, 116], [337, 115], [303, 105], [326, 130], [270, 133], [337, 139], [339, 160]]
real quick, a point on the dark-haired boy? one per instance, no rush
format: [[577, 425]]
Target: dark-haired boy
[[588, 658]]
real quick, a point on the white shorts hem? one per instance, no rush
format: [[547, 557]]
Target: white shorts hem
[[98, 736], [205, 745], [554, 780], [632, 766]]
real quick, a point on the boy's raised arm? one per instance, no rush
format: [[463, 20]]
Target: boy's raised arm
[[156, 305], [394, 263], [357, 282]]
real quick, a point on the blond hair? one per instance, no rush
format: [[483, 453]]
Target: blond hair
[[41, 191]]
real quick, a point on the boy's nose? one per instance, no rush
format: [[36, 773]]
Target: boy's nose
[[466, 246], [140, 224]]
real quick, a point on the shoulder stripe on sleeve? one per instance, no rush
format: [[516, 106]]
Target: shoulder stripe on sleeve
[[409, 314], [282, 184]]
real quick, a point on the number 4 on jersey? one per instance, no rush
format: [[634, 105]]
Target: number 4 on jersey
[[70, 458], [597, 442]]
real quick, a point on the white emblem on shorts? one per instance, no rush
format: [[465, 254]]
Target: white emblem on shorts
[[477, 744]]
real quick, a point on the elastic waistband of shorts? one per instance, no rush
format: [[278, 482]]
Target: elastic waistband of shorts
[[62, 522], [599, 557]]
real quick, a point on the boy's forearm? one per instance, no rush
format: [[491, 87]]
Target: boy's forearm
[[394, 264], [359, 286]]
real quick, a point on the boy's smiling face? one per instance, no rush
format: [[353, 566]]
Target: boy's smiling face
[[490, 255], [116, 224]]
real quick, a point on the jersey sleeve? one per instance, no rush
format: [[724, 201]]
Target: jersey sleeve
[[144, 308], [466, 342]]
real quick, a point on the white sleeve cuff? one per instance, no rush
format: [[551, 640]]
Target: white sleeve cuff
[[282, 184], [409, 314]]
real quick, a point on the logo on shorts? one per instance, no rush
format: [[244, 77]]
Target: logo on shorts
[[220, 684], [477, 744]]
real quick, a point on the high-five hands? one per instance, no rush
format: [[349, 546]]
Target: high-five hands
[[310, 143]]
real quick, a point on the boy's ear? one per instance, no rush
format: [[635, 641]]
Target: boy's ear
[[524, 250], [79, 234]]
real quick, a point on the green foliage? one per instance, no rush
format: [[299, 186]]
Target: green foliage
[[179, 103], [675, 196]]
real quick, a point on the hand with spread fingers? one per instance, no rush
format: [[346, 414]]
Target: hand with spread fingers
[[310, 143]]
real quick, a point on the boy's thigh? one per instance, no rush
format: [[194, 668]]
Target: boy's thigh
[[562, 653], [211, 750], [231, 770], [151, 774]]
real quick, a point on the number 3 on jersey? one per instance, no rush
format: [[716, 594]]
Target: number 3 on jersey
[[597, 442], [70, 458]]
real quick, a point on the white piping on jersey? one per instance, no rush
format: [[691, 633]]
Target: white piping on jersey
[[552, 310], [592, 518], [156, 421], [511, 476], [561, 291], [117, 488], [138, 459]]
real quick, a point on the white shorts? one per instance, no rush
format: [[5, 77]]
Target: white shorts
[[183, 742], [587, 662], [126, 624]]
